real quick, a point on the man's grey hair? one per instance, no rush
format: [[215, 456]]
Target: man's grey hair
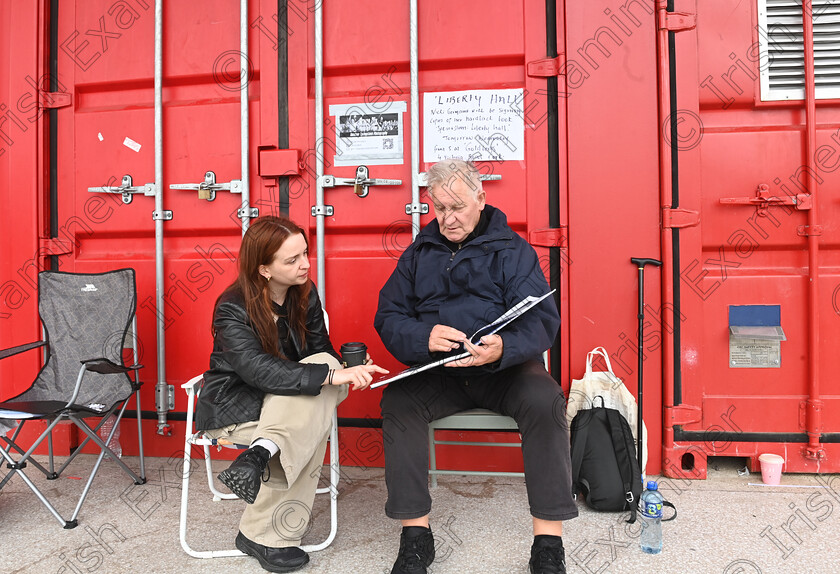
[[444, 173]]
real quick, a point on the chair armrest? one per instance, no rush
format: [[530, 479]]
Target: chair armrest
[[20, 349], [193, 385], [107, 367]]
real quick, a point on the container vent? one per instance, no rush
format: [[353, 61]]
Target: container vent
[[782, 60]]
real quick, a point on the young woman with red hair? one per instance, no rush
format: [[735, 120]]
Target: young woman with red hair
[[274, 382]]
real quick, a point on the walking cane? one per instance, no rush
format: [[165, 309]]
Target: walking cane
[[640, 263]]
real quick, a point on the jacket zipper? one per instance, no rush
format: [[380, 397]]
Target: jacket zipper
[[452, 257]]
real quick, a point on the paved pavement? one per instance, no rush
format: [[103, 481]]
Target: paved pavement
[[727, 524]]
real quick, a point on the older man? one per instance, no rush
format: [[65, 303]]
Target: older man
[[464, 270]]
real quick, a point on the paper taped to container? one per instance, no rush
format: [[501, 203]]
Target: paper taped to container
[[474, 125], [369, 134]]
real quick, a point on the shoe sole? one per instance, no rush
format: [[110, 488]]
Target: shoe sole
[[245, 549], [239, 486]]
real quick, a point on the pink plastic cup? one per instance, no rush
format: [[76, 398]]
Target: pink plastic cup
[[771, 468]]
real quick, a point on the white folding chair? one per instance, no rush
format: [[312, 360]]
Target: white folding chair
[[192, 388]]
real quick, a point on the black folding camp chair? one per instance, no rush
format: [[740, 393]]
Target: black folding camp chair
[[87, 319]]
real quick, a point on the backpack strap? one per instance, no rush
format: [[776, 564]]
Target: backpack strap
[[621, 442], [673, 516], [578, 446]]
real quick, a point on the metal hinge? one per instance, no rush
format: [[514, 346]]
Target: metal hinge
[[547, 67], [676, 21], [53, 100], [806, 230], [679, 217], [551, 237], [683, 414], [55, 246]]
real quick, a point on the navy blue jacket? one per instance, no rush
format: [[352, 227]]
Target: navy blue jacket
[[466, 290]]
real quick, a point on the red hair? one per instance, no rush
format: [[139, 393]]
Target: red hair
[[259, 245]]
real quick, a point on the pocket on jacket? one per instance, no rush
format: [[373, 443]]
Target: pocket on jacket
[[224, 387]]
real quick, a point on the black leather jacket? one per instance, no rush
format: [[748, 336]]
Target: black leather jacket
[[241, 373]]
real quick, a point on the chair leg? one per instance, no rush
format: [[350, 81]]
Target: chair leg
[[140, 436], [186, 471], [335, 473], [217, 494], [52, 474], [432, 459], [64, 523], [95, 438], [26, 456], [332, 489], [28, 460], [185, 491], [104, 448], [185, 486], [78, 450]]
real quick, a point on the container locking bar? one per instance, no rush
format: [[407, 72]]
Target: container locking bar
[[207, 189], [360, 183], [127, 189], [763, 200]]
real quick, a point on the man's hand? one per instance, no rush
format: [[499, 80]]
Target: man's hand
[[445, 339], [489, 351]]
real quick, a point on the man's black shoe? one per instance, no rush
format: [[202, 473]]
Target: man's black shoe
[[417, 551], [273, 559], [547, 555], [242, 477]]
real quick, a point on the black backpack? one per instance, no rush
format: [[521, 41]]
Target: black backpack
[[604, 463]]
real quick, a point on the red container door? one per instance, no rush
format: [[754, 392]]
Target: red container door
[[474, 63], [614, 214], [22, 75], [744, 268], [106, 64]]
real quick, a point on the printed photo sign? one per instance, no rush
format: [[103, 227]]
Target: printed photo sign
[[365, 136]]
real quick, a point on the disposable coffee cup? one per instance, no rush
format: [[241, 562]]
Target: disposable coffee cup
[[353, 354]]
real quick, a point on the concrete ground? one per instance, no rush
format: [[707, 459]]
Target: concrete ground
[[727, 524]]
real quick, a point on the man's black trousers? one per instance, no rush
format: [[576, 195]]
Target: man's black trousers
[[525, 392]]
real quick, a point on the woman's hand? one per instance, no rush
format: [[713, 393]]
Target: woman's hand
[[360, 376]]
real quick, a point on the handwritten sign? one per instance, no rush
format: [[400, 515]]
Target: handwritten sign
[[475, 125]]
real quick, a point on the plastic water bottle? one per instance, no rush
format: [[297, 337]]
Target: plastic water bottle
[[114, 443], [651, 517]]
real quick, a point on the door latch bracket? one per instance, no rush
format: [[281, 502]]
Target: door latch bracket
[[126, 188], [676, 21], [207, 189]]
